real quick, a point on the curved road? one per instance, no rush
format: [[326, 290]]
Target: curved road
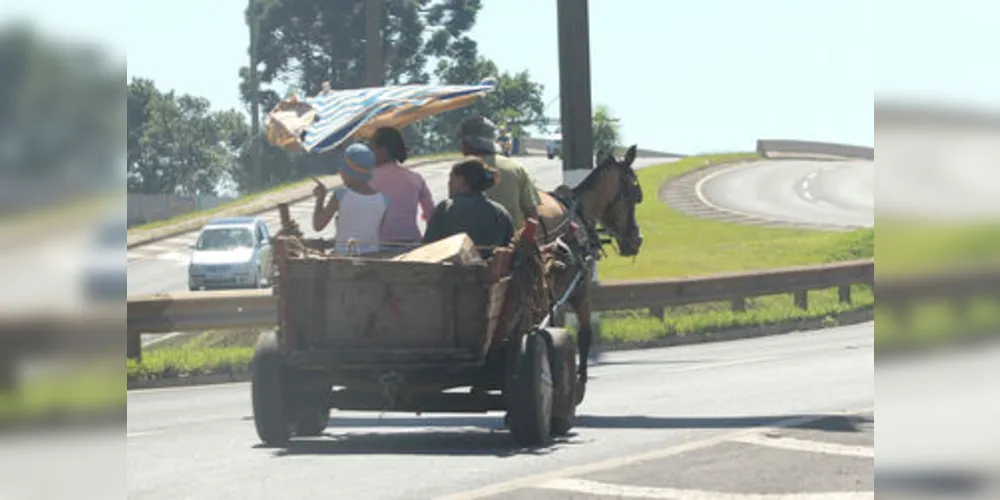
[[682, 418], [830, 193]]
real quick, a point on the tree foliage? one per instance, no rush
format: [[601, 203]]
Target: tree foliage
[[177, 144], [607, 132]]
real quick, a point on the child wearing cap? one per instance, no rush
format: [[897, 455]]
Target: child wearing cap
[[360, 209]]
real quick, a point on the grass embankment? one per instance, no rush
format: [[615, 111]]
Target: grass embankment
[[252, 198], [675, 245], [919, 247]]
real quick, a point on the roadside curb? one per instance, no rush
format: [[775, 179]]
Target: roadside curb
[[682, 193], [209, 379], [848, 318], [253, 208]]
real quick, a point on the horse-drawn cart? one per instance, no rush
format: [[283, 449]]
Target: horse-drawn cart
[[390, 335]]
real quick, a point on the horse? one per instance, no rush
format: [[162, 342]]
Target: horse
[[607, 196]]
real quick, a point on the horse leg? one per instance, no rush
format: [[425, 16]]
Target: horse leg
[[585, 335]]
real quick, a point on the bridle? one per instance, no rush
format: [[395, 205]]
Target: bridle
[[630, 192]]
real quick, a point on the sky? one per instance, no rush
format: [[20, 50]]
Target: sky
[[684, 77]]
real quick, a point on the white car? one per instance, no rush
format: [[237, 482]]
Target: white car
[[232, 252]]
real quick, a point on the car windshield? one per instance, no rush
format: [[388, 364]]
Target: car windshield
[[225, 238]]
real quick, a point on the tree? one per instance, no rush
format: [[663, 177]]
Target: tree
[[516, 101], [177, 144], [304, 43], [607, 132]]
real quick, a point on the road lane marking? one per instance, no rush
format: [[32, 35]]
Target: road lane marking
[[140, 434], [627, 491], [618, 462], [787, 443]]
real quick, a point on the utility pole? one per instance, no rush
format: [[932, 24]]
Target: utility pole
[[374, 66], [256, 151], [574, 84]]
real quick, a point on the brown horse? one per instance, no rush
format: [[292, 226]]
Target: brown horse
[[607, 196]]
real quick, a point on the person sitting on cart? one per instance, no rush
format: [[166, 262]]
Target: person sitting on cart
[[404, 188], [359, 208], [468, 210], [513, 187]]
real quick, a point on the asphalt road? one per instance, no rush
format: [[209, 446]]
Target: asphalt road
[[162, 266], [678, 421], [837, 193]]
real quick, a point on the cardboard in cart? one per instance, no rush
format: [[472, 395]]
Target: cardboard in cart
[[457, 249]]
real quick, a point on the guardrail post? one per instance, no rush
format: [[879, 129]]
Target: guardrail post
[[845, 294], [740, 304], [802, 299], [8, 371], [133, 347], [658, 312]]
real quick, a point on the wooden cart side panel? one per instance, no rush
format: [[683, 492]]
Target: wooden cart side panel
[[386, 304]]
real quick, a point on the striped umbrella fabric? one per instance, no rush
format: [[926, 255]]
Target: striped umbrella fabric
[[321, 123]]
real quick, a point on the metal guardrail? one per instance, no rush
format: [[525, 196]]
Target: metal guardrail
[[813, 148], [201, 311]]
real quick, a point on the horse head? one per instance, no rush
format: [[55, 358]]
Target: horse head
[[611, 194]]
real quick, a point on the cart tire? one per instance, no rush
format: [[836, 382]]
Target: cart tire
[[311, 421], [268, 392], [562, 355], [529, 392]]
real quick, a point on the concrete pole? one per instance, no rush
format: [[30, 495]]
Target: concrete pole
[[256, 151], [374, 65], [574, 85]]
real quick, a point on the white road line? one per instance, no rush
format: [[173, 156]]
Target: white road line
[[625, 491], [174, 256], [614, 463], [808, 446], [139, 434]]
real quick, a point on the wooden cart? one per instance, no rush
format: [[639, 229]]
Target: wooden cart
[[382, 335]]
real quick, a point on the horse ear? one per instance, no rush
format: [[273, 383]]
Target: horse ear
[[630, 155]]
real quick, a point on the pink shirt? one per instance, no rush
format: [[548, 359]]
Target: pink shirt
[[405, 189]]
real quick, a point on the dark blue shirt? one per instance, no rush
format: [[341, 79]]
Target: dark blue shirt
[[485, 221]]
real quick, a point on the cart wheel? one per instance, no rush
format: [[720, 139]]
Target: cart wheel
[[529, 392], [267, 391], [311, 421], [563, 359]]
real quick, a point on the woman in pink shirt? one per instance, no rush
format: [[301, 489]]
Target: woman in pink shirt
[[404, 188]]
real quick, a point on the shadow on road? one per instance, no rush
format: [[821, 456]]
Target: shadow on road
[[476, 435], [483, 435]]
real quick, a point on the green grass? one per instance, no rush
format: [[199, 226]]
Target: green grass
[[674, 245], [252, 198], [71, 393], [189, 360]]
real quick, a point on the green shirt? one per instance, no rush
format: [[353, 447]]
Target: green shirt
[[514, 189]]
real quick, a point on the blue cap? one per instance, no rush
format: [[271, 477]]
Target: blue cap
[[360, 161]]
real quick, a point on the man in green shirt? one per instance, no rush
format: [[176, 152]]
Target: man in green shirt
[[514, 189]]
